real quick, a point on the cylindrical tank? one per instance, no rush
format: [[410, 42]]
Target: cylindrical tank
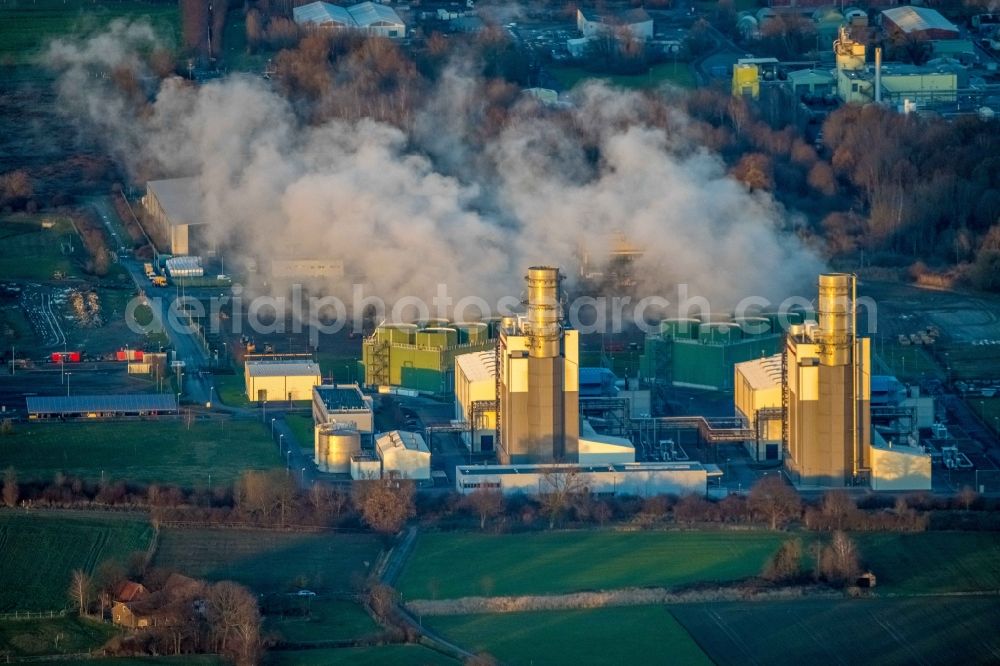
[[544, 312], [335, 444], [753, 327], [396, 333], [493, 326], [472, 333], [437, 337], [835, 312], [679, 329], [780, 321], [715, 318], [719, 333]]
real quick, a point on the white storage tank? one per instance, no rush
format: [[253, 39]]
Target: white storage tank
[[335, 444]]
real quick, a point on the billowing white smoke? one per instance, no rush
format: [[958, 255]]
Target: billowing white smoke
[[381, 200]]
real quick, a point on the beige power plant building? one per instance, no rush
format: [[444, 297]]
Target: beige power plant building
[[828, 391], [538, 419], [811, 404]]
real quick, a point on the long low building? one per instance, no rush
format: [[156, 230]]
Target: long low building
[[281, 380], [100, 406], [636, 479]]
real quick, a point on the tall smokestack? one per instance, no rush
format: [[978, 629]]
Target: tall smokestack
[[878, 75], [836, 318], [538, 417], [544, 312]]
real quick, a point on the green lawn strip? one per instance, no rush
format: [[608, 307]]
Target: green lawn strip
[[450, 565], [302, 427], [663, 73], [628, 635], [164, 450]]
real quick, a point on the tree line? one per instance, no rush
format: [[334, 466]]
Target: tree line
[[271, 499]]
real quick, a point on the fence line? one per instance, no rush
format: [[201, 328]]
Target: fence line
[[33, 615]]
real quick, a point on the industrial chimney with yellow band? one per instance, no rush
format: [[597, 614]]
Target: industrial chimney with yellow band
[[538, 417], [828, 391]]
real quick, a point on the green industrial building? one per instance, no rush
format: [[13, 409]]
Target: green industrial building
[[692, 353], [421, 356]]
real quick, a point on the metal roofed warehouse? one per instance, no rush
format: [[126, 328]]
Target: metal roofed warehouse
[[175, 206], [128, 404], [281, 380], [919, 22]]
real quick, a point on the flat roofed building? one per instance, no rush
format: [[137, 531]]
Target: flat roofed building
[[597, 449], [281, 380], [757, 397], [475, 397], [404, 455], [342, 403], [95, 406], [365, 466], [898, 466], [174, 206], [637, 479]]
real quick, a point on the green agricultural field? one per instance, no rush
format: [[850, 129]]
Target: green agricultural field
[[30, 252], [628, 635], [161, 450], [38, 554], [449, 565], [415, 655], [665, 73], [860, 631], [327, 620], [64, 635], [26, 26], [933, 561], [269, 561]]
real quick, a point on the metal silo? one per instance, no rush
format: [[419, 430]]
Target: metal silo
[[719, 333], [472, 333], [437, 338], [335, 444], [753, 327], [397, 334]]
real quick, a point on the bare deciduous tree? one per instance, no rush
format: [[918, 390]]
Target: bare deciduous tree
[[837, 506], [486, 503], [558, 489], [786, 563], [839, 561], [774, 499], [235, 620], [385, 504], [81, 590], [11, 491]]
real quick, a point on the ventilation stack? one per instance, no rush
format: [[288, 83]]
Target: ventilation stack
[[538, 378], [828, 392]]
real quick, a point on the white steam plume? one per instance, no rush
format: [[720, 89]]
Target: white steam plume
[[407, 212]]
